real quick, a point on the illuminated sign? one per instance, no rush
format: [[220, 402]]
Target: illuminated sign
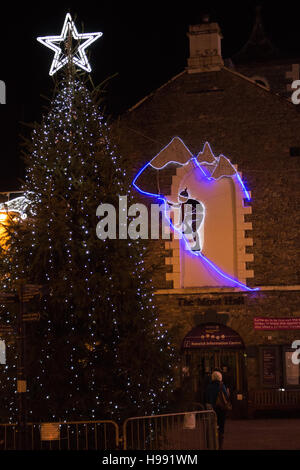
[[212, 335]]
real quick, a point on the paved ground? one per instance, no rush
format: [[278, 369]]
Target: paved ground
[[262, 434]]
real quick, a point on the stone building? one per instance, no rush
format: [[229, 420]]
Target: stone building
[[227, 136]]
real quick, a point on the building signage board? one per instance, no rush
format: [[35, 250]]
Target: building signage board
[[288, 323], [269, 366], [212, 335], [210, 301]]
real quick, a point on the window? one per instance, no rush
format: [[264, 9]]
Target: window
[[291, 370], [277, 368], [261, 81], [295, 151]]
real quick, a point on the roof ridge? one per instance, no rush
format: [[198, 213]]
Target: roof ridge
[[248, 79], [227, 69], [154, 91]]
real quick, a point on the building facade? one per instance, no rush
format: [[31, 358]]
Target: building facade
[[217, 136]]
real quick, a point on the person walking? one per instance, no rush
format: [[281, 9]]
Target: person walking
[[216, 397]]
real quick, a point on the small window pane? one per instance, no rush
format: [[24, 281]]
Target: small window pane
[[295, 151]]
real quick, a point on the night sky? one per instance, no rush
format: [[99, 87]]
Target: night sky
[[144, 43]]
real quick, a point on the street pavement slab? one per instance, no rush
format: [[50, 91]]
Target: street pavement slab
[[262, 434]]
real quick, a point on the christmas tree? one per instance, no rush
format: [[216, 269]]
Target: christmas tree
[[98, 350]]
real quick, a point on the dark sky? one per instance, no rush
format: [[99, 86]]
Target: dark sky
[[145, 43]]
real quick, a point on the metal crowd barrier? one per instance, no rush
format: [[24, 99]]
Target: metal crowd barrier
[[195, 430], [8, 437], [73, 435]]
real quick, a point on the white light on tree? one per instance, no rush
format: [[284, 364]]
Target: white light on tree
[[78, 56]]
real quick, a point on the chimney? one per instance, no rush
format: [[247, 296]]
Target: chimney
[[205, 47]]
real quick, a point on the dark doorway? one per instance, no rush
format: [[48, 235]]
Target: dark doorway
[[199, 364], [209, 347]]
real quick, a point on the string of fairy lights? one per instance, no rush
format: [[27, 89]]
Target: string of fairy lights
[[63, 126], [68, 152]]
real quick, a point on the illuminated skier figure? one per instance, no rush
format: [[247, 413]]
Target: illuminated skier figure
[[190, 220], [204, 178]]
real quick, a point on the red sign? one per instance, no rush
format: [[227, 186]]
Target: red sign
[[212, 335], [289, 323]]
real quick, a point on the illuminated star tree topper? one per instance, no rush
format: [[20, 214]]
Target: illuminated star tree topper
[[68, 55]]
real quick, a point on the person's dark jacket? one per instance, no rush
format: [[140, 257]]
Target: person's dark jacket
[[212, 391]]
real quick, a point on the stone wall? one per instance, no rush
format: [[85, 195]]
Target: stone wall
[[255, 129], [249, 125], [182, 312]]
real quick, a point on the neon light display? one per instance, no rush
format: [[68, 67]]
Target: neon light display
[[79, 58], [212, 169]]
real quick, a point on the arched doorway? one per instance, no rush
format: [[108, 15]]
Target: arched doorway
[[212, 346]]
